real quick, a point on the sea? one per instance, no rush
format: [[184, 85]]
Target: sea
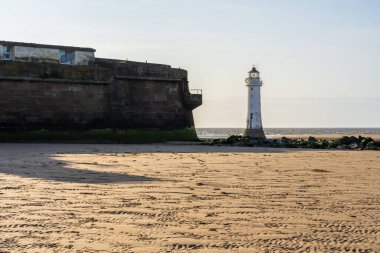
[[216, 133]]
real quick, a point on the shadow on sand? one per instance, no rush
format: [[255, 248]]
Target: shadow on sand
[[39, 161], [70, 175]]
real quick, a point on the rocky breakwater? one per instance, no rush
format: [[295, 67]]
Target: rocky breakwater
[[345, 142]]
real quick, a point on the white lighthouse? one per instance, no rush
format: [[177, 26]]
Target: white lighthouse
[[254, 127]]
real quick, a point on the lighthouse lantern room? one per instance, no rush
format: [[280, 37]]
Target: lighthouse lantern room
[[254, 128]]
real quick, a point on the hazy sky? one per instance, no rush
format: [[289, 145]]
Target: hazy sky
[[320, 60]]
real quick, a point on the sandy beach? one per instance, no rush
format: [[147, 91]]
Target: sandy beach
[[179, 198]]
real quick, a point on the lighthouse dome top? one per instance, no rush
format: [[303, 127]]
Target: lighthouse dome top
[[254, 73], [254, 70]]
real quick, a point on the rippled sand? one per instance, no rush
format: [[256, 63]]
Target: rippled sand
[[169, 198]]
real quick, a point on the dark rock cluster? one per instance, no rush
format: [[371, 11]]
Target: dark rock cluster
[[345, 142]]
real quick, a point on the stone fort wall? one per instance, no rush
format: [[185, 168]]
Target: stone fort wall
[[108, 94]]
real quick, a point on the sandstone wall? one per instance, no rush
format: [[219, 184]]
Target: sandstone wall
[[148, 104], [26, 104], [109, 94]]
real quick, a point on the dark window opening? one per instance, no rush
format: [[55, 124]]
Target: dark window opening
[[7, 53], [66, 57]]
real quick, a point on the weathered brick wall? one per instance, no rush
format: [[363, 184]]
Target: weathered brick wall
[[108, 95], [148, 104], [52, 70], [73, 105], [51, 105]]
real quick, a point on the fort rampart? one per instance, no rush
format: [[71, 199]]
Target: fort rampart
[[105, 94]]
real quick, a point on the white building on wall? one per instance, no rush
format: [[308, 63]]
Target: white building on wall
[[30, 52]]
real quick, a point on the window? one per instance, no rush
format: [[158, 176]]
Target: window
[[66, 57], [7, 53], [255, 74]]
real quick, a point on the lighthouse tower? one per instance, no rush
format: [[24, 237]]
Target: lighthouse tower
[[254, 124]]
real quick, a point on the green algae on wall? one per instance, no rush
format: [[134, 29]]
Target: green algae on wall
[[101, 136]]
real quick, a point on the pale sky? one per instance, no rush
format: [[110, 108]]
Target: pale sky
[[319, 60]]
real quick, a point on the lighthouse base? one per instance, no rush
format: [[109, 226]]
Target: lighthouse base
[[254, 133]]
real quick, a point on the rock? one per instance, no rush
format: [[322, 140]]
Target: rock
[[366, 140], [353, 139], [218, 141], [314, 145], [345, 140], [323, 144], [234, 139], [285, 140], [371, 146], [253, 142], [301, 143], [354, 146], [333, 144], [361, 138], [272, 143]]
